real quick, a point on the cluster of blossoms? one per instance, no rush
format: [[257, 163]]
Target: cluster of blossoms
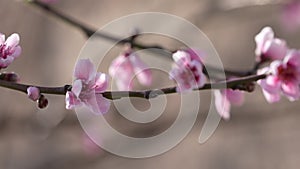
[[9, 49], [284, 70], [126, 66], [87, 88], [188, 73], [283, 73]]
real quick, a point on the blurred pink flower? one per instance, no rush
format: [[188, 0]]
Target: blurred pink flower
[[9, 49], [268, 47], [33, 93], [224, 98], [125, 67], [290, 16], [284, 78], [90, 147], [188, 71], [87, 88]]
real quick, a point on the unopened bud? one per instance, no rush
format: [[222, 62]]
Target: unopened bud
[[33, 93], [11, 77], [42, 102]]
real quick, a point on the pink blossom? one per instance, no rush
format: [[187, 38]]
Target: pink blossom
[[87, 88], [9, 49], [290, 16], [224, 98], [125, 67], [187, 72], [268, 47], [33, 93], [284, 78]]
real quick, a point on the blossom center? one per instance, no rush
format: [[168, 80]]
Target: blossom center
[[4, 51], [193, 69], [286, 73], [86, 91]]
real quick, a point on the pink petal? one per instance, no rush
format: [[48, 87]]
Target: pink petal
[[235, 97], [13, 40], [293, 58], [71, 100], [291, 90], [196, 54], [2, 38], [103, 103], [261, 38], [184, 79], [222, 105], [17, 51], [141, 70], [271, 84], [125, 83], [273, 68], [5, 62], [115, 65], [97, 104], [77, 87], [181, 57], [272, 97], [84, 70], [101, 82], [121, 70], [275, 49], [203, 80]]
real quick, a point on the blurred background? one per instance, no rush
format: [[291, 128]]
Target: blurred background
[[258, 135]]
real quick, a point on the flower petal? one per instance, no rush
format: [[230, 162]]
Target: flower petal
[[97, 104], [2, 38], [121, 70], [271, 84], [71, 100], [16, 52], [13, 40], [261, 38], [275, 49], [222, 105], [101, 82], [293, 58], [141, 70], [103, 103], [84, 70], [196, 54], [291, 90], [235, 97], [272, 97], [77, 87]]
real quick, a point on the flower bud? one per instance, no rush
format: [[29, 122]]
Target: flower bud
[[33, 93], [11, 77], [42, 102]]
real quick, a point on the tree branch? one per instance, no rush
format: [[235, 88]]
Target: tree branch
[[240, 84], [90, 31]]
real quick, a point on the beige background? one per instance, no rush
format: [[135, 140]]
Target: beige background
[[259, 135]]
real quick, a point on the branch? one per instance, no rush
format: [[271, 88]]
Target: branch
[[90, 31], [240, 84]]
